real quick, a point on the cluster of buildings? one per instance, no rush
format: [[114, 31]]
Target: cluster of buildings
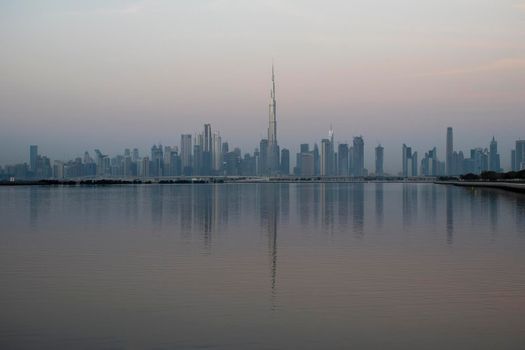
[[205, 154], [480, 160], [345, 160]]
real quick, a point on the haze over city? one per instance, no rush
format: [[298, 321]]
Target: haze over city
[[249, 174], [119, 74]]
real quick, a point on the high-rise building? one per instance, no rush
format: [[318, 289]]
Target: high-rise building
[[263, 158], [58, 169], [342, 160], [450, 150], [325, 157], [379, 160], [216, 153], [225, 148], [304, 149], [197, 160], [520, 155], [285, 162], [358, 156], [176, 164], [144, 167], [231, 163], [307, 164], [207, 151], [135, 155], [478, 161], [317, 161], [409, 161], [458, 163], [273, 148], [513, 166], [103, 164], [257, 161], [33, 154], [207, 138], [185, 154], [494, 159], [157, 161], [332, 159], [430, 164]]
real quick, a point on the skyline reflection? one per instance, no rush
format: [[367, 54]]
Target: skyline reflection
[[264, 260], [332, 208]]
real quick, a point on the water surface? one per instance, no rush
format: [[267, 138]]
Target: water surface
[[262, 266]]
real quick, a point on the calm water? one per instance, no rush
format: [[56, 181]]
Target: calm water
[[270, 266]]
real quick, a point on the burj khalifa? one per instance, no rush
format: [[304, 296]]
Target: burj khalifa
[[273, 147]]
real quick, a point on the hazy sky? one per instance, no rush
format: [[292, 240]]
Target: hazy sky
[[78, 75]]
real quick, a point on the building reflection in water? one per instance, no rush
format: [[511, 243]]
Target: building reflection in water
[[156, 194], [410, 193], [379, 203], [358, 208], [270, 197], [450, 213], [520, 214], [492, 202], [305, 202], [186, 209], [131, 195], [326, 205], [39, 204], [429, 199], [35, 196], [203, 202], [343, 194], [284, 194]]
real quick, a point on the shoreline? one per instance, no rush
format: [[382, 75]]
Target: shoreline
[[518, 187], [211, 180]]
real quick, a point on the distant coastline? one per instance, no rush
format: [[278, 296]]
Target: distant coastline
[[214, 180], [517, 186], [514, 186]]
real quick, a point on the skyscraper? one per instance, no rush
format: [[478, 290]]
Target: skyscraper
[[285, 162], [197, 159], [409, 161], [262, 167], [450, 150], [379, 160], [273, 149], [342, 160], [520, 155], [494, 160], [33, 155], [207, 151], [325, 157], [430, 164], [185, 154], [307, 164], [331, 160], [135, 155], [157, 161], [358, 156], [316, 160], [216, 153]]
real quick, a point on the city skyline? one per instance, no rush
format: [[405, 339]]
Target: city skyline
[[205, 154], [393, 73]]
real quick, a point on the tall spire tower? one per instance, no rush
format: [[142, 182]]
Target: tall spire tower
[[272, 126], [273, 148]]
